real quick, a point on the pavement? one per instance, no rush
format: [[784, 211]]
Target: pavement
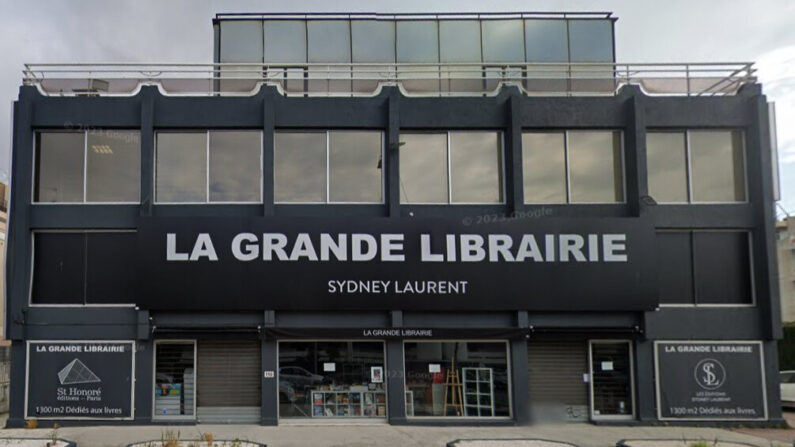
[[369, 435]]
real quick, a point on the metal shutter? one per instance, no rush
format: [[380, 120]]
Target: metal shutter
[[556, 369], [228, 381]]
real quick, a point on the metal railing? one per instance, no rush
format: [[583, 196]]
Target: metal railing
[[448, 79]]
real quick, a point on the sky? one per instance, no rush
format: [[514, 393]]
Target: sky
[[761, 31]]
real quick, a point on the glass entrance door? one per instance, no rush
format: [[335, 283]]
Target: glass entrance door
[[612, 380]]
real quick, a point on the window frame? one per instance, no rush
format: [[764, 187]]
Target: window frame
[[567, 164], [207, 200], [327, 132], [752, 279], [30, 302], [508, 369], [447, 133], [689, 165], [35, 176]]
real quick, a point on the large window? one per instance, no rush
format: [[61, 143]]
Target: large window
[[328, 167], [704, 267], [454, 167], [573, 167], [698, 166], [458, 379], [76, 268], [214, 166], [95, 166], [335, 379]]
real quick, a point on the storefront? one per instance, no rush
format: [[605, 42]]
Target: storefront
[[489, 259]]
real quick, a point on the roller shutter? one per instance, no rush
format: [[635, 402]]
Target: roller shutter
[[228, 381], [556, 369]]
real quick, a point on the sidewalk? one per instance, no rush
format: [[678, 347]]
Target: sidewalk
[[583, 435]]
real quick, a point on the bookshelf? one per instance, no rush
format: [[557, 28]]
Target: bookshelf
[[342, 404]]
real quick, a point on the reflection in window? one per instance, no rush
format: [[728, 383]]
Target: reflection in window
[[351, 158], [338, 379], [481, 368], [713, 159], [241, 41], [329, 41], [591, 40], [299, 160], [181, 171], [355, 166], [666, 157], [285, 41], [717, 164], [423, 168], [595, 167], [474, 169], [459, 40], [234, 159], [546, 40], [373, 41], [544, 167], [235, 165], [113, 170], [502, 41], [59, 167], [97, 166], [417, 41]]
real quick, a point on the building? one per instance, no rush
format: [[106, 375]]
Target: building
[[785, 242], [412, 219]]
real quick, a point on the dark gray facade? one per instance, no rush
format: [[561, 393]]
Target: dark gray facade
[[511, 112]]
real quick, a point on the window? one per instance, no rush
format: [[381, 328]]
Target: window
[[698, 166], [573, 167], [79, 268], [704, 267], [87, 167], [335, 379], [213, 166], [546, 40], [502, 41], [373, 41], [285, 41], [452, 167], [175, 380], [241, 41], [591, 40], [481, 368], [417, 41], [666, 155], [544, 165], [328, 167]]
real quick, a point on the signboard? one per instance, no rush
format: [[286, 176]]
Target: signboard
[[710, 380], [408, 264], [80, 380]]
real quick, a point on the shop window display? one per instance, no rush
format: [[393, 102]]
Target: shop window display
[[339, 379], [457, 379]]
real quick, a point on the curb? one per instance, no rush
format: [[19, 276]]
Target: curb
[[561, 443], [623, 442], [198, 442], [68, 443]]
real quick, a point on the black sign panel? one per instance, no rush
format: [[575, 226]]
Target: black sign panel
[[80, 380], [406, 264], [710, 381]]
